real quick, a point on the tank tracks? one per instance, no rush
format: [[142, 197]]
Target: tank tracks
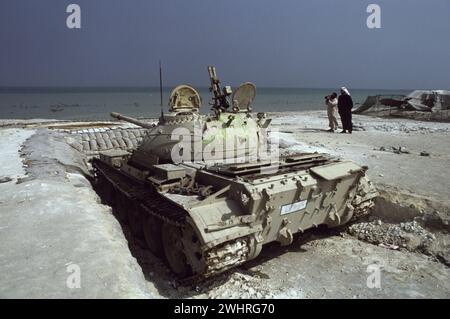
[[216, 260], [220, 259]]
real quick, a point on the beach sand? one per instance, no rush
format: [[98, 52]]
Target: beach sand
[[50, 218]]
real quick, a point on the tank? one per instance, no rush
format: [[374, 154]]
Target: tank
[[207, 192]]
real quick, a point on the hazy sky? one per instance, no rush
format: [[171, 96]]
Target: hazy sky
[[313, 43]]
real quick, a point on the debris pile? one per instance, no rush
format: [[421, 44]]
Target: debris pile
[[240, 284], [399, 150], [393, 149], [5, 179], [409, 235], [413, 127]]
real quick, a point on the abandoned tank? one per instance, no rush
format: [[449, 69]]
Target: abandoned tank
[[206, 192]]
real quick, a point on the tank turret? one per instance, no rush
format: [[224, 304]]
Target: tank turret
[[185, 135]]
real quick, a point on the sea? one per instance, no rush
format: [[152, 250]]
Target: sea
[[98, 103]]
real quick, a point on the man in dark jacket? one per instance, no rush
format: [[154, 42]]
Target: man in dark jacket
[[345, 105]]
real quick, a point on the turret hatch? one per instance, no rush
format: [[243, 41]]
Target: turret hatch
[[184, 98], [243, 97]]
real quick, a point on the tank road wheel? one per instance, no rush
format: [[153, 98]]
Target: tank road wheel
[[104, 189], [182, 249], [121, 204], [174, 250], [152, 234], [100, 186], [135, 220], [109, 193], [192, 250]]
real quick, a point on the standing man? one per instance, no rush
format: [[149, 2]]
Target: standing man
[[345, 105], [332, 103]]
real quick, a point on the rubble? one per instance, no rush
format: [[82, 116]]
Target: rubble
[[242, 285], [393, 149], [5, 179], [400, 150], [409, 235]]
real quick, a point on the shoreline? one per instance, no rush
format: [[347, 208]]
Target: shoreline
[[318, 109]]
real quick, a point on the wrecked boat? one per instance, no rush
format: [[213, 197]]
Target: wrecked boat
[[419, 104]]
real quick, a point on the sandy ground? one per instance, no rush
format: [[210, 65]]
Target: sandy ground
[[55, 207], [52, 221]]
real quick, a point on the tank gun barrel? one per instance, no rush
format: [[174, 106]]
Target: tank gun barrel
[[131, 120]]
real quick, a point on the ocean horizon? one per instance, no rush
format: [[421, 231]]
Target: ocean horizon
[[96, 103]]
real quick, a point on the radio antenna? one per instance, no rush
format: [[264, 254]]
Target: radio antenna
[[160, 83]]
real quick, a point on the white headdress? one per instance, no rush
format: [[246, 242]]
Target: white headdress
[[345, 90]]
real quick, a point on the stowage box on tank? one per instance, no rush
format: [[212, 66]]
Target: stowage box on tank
[[206, 192]]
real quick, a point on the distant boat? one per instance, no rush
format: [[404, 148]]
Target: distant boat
[[57, 108]]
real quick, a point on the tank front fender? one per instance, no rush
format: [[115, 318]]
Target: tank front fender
[[220, 221]]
